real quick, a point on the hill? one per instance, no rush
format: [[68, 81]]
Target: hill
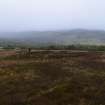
[[64, 37]]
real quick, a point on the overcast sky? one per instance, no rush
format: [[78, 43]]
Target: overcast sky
[[21, 15]]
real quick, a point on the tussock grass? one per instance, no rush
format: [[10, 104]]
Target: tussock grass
[[53, 79]]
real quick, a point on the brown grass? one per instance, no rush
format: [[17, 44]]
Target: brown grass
[[50, 78]]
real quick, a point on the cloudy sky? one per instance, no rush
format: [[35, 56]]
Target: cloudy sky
[[22, 15]]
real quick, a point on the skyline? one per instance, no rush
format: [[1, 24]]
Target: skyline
[[42, 15]]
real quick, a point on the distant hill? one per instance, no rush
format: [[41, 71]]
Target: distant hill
[[65, 37]]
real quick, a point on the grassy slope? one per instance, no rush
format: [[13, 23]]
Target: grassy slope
[[53, 79]]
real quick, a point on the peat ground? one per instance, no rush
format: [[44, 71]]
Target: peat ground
[[52, 78]]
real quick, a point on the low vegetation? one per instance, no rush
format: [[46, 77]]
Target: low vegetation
[[52, 78]]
